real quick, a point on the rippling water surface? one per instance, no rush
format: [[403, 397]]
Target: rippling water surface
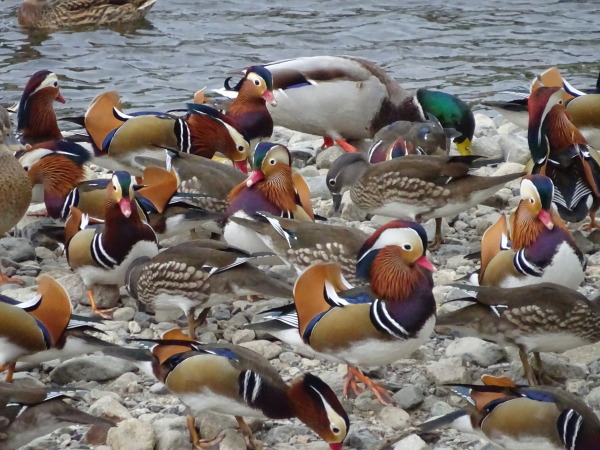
[[469, 47]]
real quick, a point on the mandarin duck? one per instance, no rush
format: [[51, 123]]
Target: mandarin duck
[[233, 380], [414, 138], [345, 98], [301, 244], [271, 187], [102, 256], [560, 151], [541, 247], [199, 274], [249, 109], [28, 411], [118, 137], [48, 15], [523, 417], [373, 325], [15, 189], [415, 187], [34, 326], [543, 317]]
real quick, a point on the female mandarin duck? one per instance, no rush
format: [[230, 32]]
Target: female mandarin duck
[[234, 380], [415, 187], [542, 248], [36, 120], [119, 138], [560, 151], [271, 187], [249, 109], [33, 326], [102, 256], [199, 274], [523, 417], [376, 325], [15, 189], [343, 98], [68, 13], [543, 317]]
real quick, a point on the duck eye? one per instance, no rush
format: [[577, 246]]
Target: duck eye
[[407, 247], [531, 200], [272, 162], [560, 102], [257, 82], [55, 84], [331, 182], [336, 430], [241, 148]]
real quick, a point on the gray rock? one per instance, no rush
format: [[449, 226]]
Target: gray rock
[[232, 441], [73, 284], [362, 438], [327, 156], [366, 401], [105, 296], [318, 186], [171, 433], [471, 349], [440, 408], [212, 424], [131, 434], [44, 253], [514, 148], [284, 433], [484, 126], [17, 249], [448, 370], [395, 418], [593, 398], [409, 396], [242, 336], [349, 211], [411, 442], [110, 409], [268, 349], [126, 313], [91, 368], [309, 172], [488, 146]]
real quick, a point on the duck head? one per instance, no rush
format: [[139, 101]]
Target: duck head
[[536, 198], [120, 192], [269, 160], [315, 404], [452, 113], [35, 106], [342, 175], [257, 83]]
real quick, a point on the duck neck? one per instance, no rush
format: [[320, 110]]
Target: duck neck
[[526, 228], [41, 124]]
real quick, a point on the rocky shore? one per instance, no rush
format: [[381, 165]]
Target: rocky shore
[[150, 418]]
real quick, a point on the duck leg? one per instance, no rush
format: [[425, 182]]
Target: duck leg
[[104, 313], [194, 322], [529, 373], [380, 392], [10, 371], [346, 146], [251, 441], [327, 142], [541, 375], [437, 240], [197, 443], [4, 279], [593, 224]]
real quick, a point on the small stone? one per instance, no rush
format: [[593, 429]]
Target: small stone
[[242, 336], [208, 337], [212, 424], [134, 327], [131, 434], [349, 210], [171, 433], [44, 253], [409, 396], [128, 382], [232, 441], [327, 156], [411, 442], [17, 249], [268, 349], [515, 148], [394, 417], [126, 314], [105, 296], [362, 438], [73, 284], [484, 126], [366, 401], [110, 409], [593, 398], [448, 370], [91, 368], [440, 408], [471, 349]]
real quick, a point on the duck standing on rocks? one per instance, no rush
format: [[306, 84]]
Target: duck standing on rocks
[[541, 249], [414, 187], [15, 188], [543, 317], [103, 256], [199, 274], [523, 417], [560, 151], [376, 325], [234, 380], [51, 15]]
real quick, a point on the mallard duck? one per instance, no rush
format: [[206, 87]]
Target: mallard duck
[[51, 15]]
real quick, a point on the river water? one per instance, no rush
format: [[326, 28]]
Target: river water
[[472, 48]]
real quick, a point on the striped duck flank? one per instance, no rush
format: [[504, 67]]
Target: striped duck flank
[[249, 110], [541, 317], [36, 119], [516, 416], [36, 325], [99, 254], [560, 151], [396, 312], [534, 245], [244, 381]]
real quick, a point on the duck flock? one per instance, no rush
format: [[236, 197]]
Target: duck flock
[[313, 243]]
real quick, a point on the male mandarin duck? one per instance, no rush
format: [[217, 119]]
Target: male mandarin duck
[[560, 151], [301, 244], [234, 380], [48, 15], [34, 326], [15, 189], [118, 138], [410, 138], [271, 187], [249, 109], [199, 274], [543, 317], [103, 256], [374, 325], [523, 417], [36, 120], [415, 187], [28, 412], [343, 98], [541, 247]]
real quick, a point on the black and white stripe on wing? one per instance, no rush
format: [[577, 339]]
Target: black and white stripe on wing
[[99, 253], [525, 267], [569, 424], [182, 131], [383, 321], [250, 386], [71, 200]]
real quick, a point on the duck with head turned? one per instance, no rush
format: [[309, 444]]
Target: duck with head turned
[[234, 380]]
